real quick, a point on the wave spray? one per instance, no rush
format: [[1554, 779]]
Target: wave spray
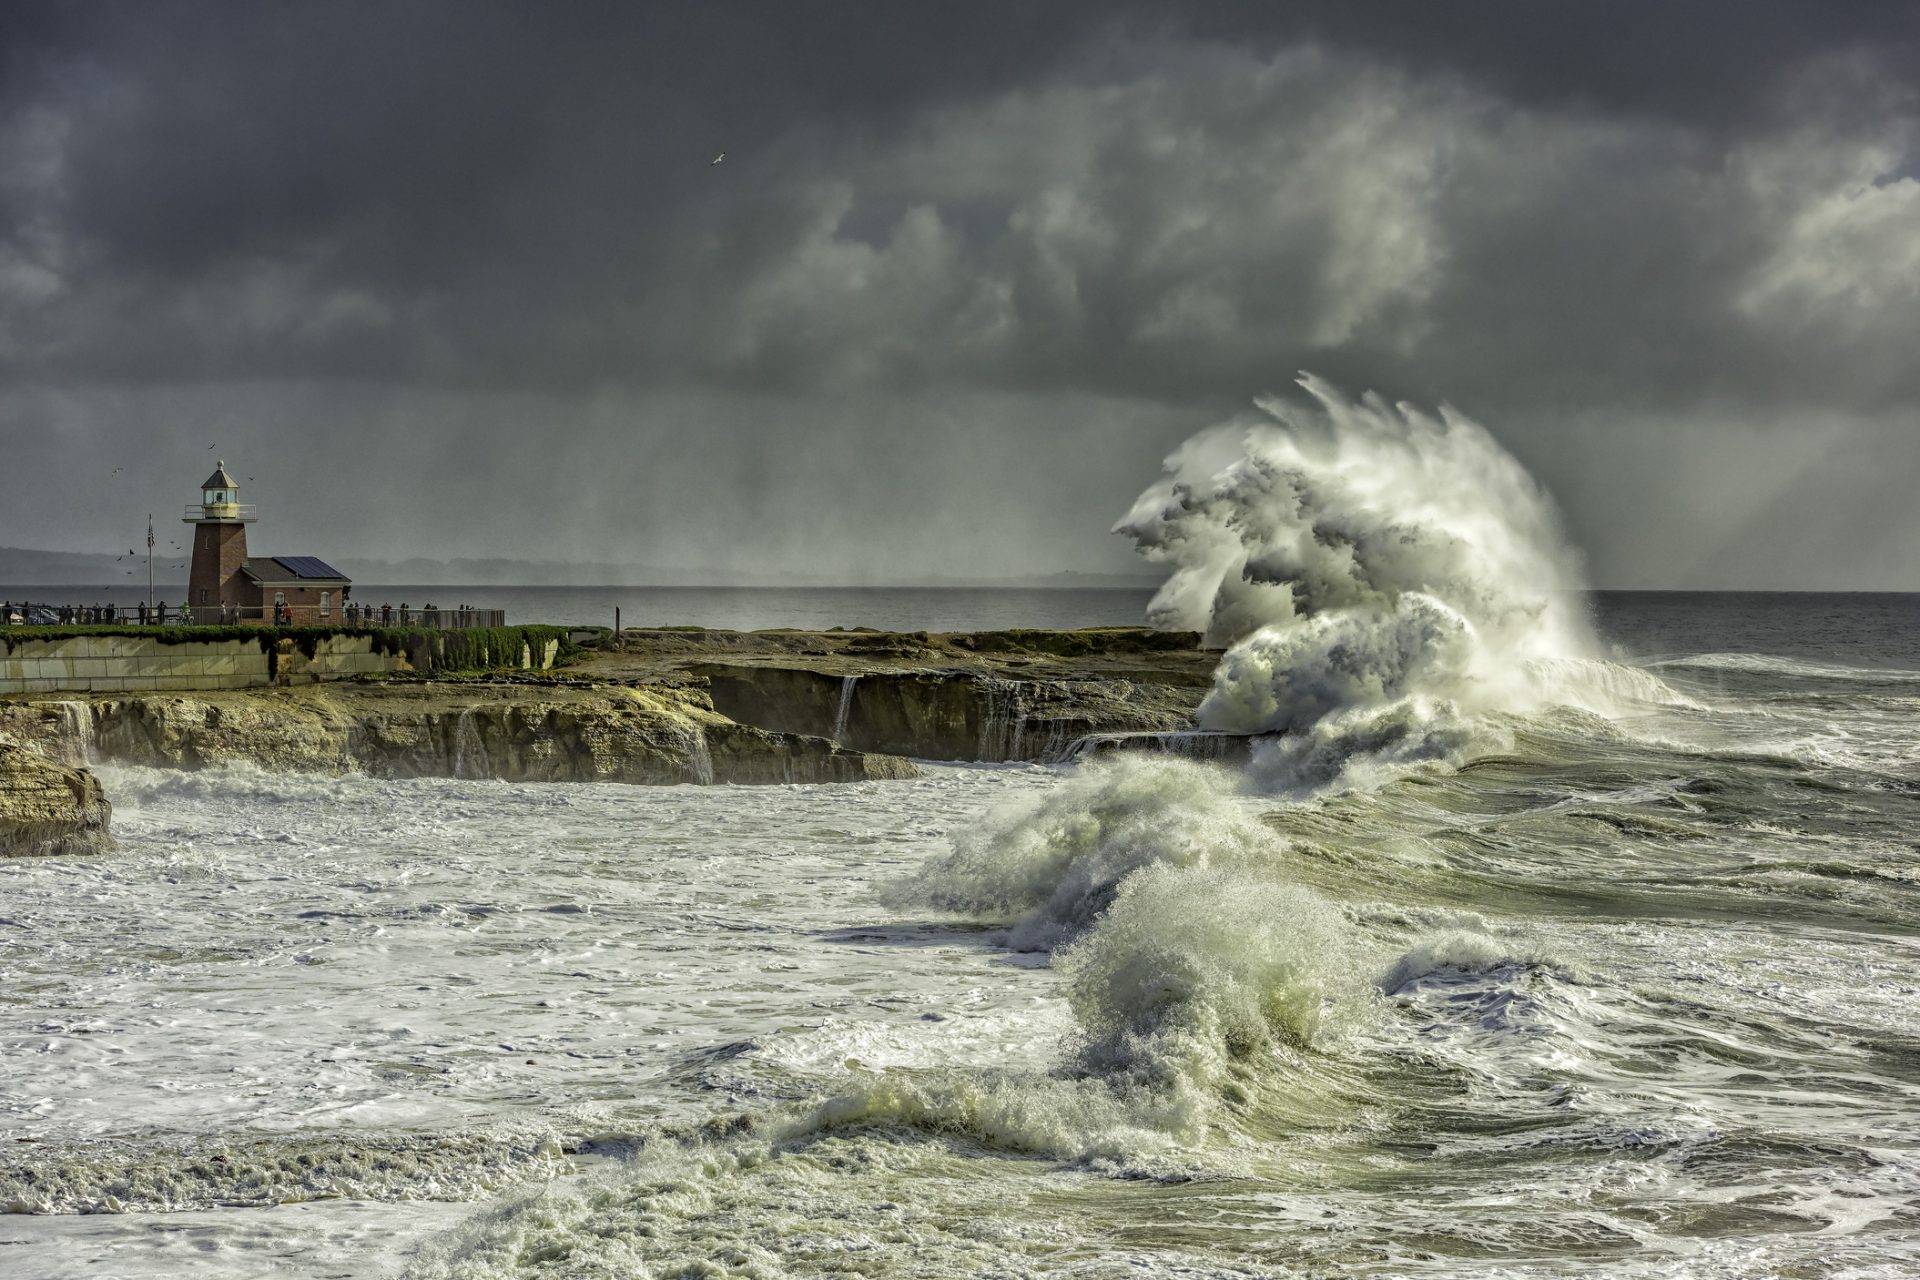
[[1379, 577], [1389, 587]]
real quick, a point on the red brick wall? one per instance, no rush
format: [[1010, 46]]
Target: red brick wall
[[254, 604], [303, 603], [215, 577]]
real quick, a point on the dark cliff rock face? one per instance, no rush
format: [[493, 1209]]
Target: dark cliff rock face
[[451, 731], [671, 706], [48, 809], [944, 715]]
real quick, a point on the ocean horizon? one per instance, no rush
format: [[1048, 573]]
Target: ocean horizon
[[1877, 628]]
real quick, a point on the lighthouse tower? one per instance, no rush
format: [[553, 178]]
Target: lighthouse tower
[[219, 546]]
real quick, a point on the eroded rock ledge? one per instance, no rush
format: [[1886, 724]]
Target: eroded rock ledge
[[677, 706], [49, 809], [985, 696], [511, 732]]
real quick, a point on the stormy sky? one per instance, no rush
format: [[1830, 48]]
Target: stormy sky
[[455, 279]]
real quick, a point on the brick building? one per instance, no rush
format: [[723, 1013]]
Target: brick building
[[224, 584]]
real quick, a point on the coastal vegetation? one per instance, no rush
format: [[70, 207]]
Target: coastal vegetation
[[427, 649]]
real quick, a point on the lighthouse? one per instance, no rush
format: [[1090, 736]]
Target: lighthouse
[[219, 546]]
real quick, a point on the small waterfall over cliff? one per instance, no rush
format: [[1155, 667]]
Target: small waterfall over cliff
[[699, 756], [1058, 745], [76, 729], [847, 684], [468, 748], [1003, 720]]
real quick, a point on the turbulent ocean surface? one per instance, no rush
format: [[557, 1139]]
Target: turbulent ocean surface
[[1538, 940]]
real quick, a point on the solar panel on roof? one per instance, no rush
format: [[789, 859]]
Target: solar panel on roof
[[307, 567]]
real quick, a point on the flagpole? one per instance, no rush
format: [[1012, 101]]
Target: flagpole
[[149, 563]]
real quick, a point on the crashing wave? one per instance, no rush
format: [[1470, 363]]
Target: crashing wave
[[1379, 577], [1392, 590], [1055, 865]]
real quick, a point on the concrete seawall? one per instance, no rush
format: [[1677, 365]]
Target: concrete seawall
[[138, 664]]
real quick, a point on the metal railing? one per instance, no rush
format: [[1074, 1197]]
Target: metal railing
[[245, 512], [352, 614]]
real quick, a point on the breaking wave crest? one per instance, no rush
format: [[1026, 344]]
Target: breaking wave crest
[[1189, 958], [1192, 970], [1391, 589], [1383, 581], [1055, 866]]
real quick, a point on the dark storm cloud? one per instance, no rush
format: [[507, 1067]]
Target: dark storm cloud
[[1013, 195], [1573, 220], [1706, 65]]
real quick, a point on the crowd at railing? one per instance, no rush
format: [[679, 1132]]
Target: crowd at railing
[[352, 614]]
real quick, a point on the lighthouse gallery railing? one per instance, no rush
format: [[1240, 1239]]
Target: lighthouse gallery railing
[[200, 512]]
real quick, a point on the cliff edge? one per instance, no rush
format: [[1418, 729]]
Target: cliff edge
[[48, 809]]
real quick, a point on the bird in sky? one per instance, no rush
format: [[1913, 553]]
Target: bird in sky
[[717, 159]]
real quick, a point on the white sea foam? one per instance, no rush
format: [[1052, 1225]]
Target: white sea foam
[[1193, 967], [1053, 864], [1459, 950], [336, 985], [1381, 577]]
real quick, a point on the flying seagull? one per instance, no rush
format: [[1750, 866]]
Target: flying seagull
[[210, 448], [717, 159]]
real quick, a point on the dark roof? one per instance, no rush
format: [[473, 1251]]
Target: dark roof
[[292, 569], [220, 479]]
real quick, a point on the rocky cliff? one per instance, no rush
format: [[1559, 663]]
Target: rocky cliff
[[517, 733], [989, 695], [679, 706], [945, 714], [47, 808]]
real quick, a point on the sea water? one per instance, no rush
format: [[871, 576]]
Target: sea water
[[1634, 999], [1524, 947]]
